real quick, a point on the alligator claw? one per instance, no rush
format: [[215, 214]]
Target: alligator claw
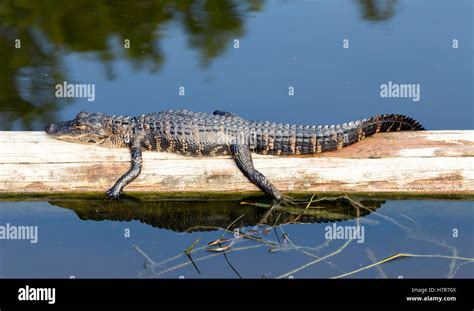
[[112, 194]]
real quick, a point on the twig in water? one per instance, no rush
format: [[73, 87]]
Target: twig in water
[[315, 261], [178, 266], [459, 266], [303, 251], [188, 253], [307, 206], [228, 227], [218, 241], [219, 249], [194, 264], [147, 258], [189, 249], [415, 234], [452, 264], [276, 234], [397, 256], [372, 258], [231, 266]]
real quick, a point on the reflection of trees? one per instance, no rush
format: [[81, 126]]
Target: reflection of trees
[[26, 93], [51, 28], [377, 10], [203, 30]]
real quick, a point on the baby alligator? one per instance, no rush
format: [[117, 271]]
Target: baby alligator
[[221, 133]]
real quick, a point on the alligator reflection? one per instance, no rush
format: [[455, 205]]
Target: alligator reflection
[[189, 216]]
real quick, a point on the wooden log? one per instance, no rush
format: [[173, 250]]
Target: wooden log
[[431, 162]]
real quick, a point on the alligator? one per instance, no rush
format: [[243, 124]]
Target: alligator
[[220, 133]]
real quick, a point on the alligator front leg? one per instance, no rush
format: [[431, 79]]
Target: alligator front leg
[[129, 176], [243, 159]]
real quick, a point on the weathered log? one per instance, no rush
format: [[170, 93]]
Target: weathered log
[[431, 162]]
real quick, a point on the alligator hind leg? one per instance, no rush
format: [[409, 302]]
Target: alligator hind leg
[[243, 159], [129, 176]]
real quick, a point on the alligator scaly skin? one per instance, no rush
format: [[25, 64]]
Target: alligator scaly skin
[[221, 133]]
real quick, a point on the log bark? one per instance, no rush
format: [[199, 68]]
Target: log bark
[[428, 162]]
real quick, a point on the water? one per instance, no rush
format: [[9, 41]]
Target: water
[[282, 44], [90, 238]]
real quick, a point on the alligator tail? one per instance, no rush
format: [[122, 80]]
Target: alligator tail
[[306, 140], [395, 122], [356, 131], [346, 134]]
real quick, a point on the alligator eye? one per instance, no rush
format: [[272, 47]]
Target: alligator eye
[[80, 127]]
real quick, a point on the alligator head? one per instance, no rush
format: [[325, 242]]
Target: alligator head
[[86, 128]]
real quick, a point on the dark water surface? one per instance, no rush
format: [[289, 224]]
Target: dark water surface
[[191, 44], [91, 238]]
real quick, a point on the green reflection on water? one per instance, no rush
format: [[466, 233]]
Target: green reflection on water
[[375, 11], [48, 30]]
